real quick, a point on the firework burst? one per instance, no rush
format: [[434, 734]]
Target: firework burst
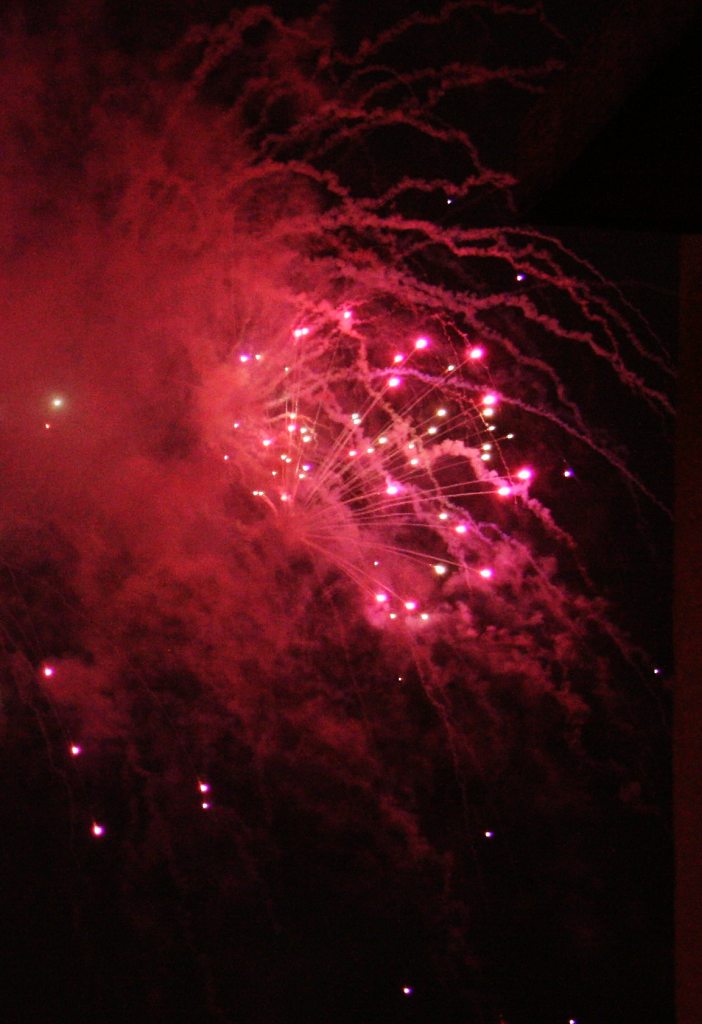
[[289, 454]]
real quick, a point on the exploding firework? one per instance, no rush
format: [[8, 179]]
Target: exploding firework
[[290, 451], [372, 466]]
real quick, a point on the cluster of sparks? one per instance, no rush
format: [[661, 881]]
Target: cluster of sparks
[[355, 455]]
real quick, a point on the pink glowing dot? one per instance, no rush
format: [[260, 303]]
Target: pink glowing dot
[[568, 473], [267, 442], [48, 671], [398, 358], [204, 787], [461, 528], [381, 598], [504, 491], [486, 573], [488, 834], [477, 352], [489, 399], [394, 382], [244, 358], [47, 426], [410, 605], [75, 749], [525, 474], [347, 314], [656, 671], [520, 277], [407, 990], [353, 453], [421, 343], [98, 830], [205, 805], [392, 489]]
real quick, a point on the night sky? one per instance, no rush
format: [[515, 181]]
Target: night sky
[[334, 530]]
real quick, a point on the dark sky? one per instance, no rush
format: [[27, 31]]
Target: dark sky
[[324, 700]]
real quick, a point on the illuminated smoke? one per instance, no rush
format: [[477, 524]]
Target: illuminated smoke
[[279, 438]]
